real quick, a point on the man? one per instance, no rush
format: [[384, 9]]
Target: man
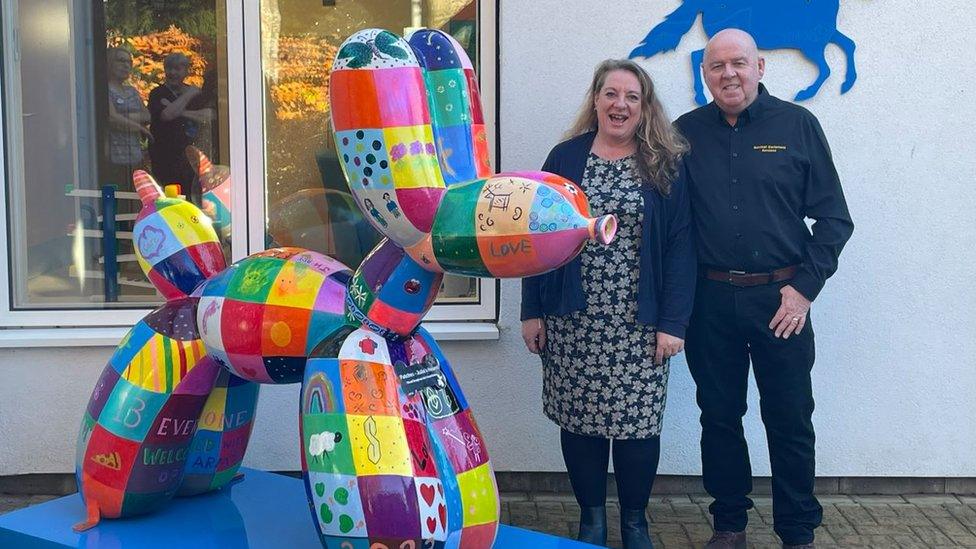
[[174, 125], [758, 166]]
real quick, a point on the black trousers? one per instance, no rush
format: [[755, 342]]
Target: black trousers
[[729, 327], [634, 464]]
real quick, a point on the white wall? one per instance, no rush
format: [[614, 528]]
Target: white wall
[[896, 373]]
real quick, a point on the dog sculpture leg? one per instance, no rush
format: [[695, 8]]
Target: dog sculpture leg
[[223, 432], [142, 415]]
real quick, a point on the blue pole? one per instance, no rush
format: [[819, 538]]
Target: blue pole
[[109, 244]]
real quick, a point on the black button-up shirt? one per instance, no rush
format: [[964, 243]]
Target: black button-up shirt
[[752, 186]]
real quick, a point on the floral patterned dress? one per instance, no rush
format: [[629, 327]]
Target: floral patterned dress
[[599, 377]]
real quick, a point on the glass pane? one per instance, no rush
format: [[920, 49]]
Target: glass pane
[[95, 90], [308, 202]]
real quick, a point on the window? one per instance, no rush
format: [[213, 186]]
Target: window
[[88, 88], [80, 113], [308, 202]]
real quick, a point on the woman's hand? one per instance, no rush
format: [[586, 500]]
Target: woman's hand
[[667, 346], [534, 334]]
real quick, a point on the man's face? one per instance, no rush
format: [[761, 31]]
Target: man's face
[[733, 70], [176, 73]]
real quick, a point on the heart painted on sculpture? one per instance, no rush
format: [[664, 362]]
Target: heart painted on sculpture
[[345, 524], [326, 514], [427, 491], [431, 524], [320, 489], [442, 511]]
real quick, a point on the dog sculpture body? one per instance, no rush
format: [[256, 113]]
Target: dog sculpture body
[[391, 452]]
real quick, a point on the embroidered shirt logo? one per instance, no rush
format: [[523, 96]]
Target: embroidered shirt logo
[[769, 148]]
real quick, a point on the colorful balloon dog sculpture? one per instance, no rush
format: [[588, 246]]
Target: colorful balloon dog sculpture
[[391, 452]]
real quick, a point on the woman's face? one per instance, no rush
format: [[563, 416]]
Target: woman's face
[[618, 106], [120, 65]]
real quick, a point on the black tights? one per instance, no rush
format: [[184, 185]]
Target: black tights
[[634, 465]]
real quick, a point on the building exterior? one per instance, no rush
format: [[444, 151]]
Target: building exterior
[[895, 326]]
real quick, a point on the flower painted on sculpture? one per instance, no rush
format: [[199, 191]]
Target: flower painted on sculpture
[[398, 151], [151, 242]]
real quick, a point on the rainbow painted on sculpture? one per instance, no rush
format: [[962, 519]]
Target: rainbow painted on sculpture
[[222, 433], [175, 243], [262, 316], [510, 225], [142, 415]]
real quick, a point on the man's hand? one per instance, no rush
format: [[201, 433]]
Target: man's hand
[[792, 313], [534, 334], [667, 346]]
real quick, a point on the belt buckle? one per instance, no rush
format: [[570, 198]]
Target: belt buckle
[[735, 273]]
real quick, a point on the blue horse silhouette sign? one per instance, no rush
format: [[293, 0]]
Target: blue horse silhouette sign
[[805, 25]]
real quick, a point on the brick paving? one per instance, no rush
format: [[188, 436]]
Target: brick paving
[[849, 521], [681, 521]]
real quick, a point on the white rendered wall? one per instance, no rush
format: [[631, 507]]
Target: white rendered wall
[[896, 375]]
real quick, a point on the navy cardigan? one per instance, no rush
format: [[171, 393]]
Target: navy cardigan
[[668, 266]]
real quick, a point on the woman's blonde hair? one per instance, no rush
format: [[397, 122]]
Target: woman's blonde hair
[[659, 146]]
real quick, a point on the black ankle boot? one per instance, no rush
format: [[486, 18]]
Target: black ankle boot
[[593, 525], [633, 529]]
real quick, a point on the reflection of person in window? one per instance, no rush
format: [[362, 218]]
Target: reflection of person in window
[[127, 121], [175, 125], [203, 110]]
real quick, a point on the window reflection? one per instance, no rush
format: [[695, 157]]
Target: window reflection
[[308, 202], [97, 90]]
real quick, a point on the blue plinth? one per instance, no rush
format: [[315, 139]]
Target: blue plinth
[[263, 510]]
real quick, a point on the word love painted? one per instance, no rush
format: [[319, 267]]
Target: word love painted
[[506, 249]]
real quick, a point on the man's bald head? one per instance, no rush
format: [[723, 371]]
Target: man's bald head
[[736, 37], [733, 68]]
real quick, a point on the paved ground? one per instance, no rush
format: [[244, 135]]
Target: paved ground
[[681, 521], [849, 521]]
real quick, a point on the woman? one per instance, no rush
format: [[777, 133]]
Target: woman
[[128, 117], [606, 323]]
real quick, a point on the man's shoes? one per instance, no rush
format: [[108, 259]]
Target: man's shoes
[[801, 546], [593, 525], [633, 529], [727, 540]]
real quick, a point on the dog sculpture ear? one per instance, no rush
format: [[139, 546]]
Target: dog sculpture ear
[[384, 134], [149, 191]]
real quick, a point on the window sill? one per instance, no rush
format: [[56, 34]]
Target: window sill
[[23, 338]]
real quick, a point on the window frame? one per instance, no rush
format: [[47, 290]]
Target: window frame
[[246, 128]]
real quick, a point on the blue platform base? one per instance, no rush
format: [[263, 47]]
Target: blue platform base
[[262, 510]]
